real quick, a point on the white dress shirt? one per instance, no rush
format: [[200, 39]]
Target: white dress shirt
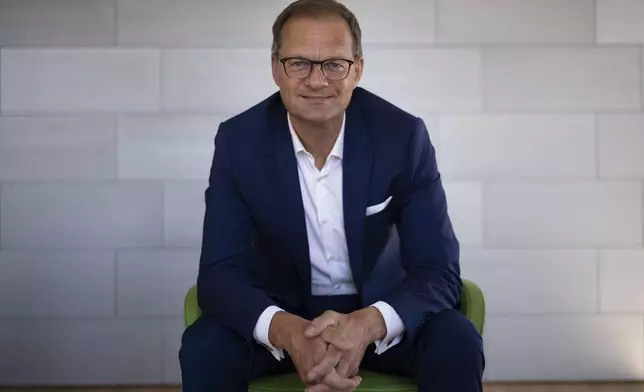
[[330, 268]]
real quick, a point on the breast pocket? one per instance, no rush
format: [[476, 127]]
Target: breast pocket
[[377, 208], [378, 221]]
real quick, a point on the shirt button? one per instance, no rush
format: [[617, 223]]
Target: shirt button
[[331, 258], [324, 221]]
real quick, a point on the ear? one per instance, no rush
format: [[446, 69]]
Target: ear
[[359, 67], [275, 68]]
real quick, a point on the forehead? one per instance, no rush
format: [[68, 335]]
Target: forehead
[[316, 38]]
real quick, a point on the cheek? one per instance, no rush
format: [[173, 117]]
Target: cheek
[[346, 87], [287, 84]]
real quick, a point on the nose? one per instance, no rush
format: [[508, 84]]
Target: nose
[[316, 78]]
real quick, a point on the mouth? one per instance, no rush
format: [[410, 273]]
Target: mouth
[[316, 98]]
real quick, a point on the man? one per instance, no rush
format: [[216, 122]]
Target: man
[[327, 246]]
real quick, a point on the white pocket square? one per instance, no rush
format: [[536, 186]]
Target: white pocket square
[[378, 207]]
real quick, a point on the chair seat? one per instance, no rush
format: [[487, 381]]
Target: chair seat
[[472, 306], [371, 382]]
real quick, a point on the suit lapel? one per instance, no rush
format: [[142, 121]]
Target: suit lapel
[[282, 165], [356, 177]]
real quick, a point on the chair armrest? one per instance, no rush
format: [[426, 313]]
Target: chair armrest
[[191, 310], [473, 304]]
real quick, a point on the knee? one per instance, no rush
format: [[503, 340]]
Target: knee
[[451, 340], [208, 346]]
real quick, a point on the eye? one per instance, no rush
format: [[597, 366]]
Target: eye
[[335, 65], [298, 64]]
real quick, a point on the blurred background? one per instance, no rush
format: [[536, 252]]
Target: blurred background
[[109, 108]]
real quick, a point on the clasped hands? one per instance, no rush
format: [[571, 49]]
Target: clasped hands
[[328, 350]]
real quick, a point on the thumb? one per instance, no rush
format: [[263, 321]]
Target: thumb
[[320, 323]]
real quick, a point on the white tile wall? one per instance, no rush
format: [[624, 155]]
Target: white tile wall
[[166, 147], [197, 22], [408, 21], [535, 281], [466, 211], [79, 80], [85, 215], [561, 78], [563, 214], [539, 146], [209, 80], [515, 21], [621, 145], [109, 109], [172, 330], [57, 284], [81, 352], [444, 79], [620, 21], [565, 348], [621, 281], [153, 282], [57, 148], [184, 208], [57, 23]]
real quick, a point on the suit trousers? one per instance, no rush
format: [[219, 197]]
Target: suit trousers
[[447, 355]]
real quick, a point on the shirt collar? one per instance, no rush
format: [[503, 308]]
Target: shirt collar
[[337, 149]]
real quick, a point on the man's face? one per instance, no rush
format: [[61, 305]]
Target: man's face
[[316, 97]]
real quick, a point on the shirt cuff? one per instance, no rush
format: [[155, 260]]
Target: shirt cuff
[[394, 324], [261, 331]]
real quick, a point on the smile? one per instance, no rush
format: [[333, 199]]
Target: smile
[[312, 98]]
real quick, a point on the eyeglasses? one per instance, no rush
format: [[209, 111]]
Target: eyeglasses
[[332, 69]]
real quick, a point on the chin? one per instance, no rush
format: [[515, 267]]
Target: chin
[[318, 114], [318, 117]]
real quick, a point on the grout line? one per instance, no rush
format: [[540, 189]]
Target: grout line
[[1, 54], [595, 23], [484, 215], [642, 77], [162, 331], [115, 4], [160, 98], [116, 284], [642, 325], [435, 21], [39, 319], [1, 211], [115, 128], [229, 113], [597, 149], [482, 90], [598, 264], [164, 189]]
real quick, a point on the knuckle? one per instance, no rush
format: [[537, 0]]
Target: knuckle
[[329, 313]]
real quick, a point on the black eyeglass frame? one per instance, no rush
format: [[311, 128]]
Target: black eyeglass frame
[[314, 62]]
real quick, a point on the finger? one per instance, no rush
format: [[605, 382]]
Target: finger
[[319, 388], [320, 323], [334, 380], [344, 367], [337, 339], [327, 364], [324, 388], [327, 388]]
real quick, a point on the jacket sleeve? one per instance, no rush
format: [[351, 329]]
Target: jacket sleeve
[[429, 247], [224, 287]]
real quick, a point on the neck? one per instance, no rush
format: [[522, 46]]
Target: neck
[[317, 138]]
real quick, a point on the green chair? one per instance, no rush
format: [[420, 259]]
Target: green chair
[[472, 306]]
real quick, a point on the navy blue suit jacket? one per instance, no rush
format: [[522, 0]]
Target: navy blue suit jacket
[[255, 250]]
